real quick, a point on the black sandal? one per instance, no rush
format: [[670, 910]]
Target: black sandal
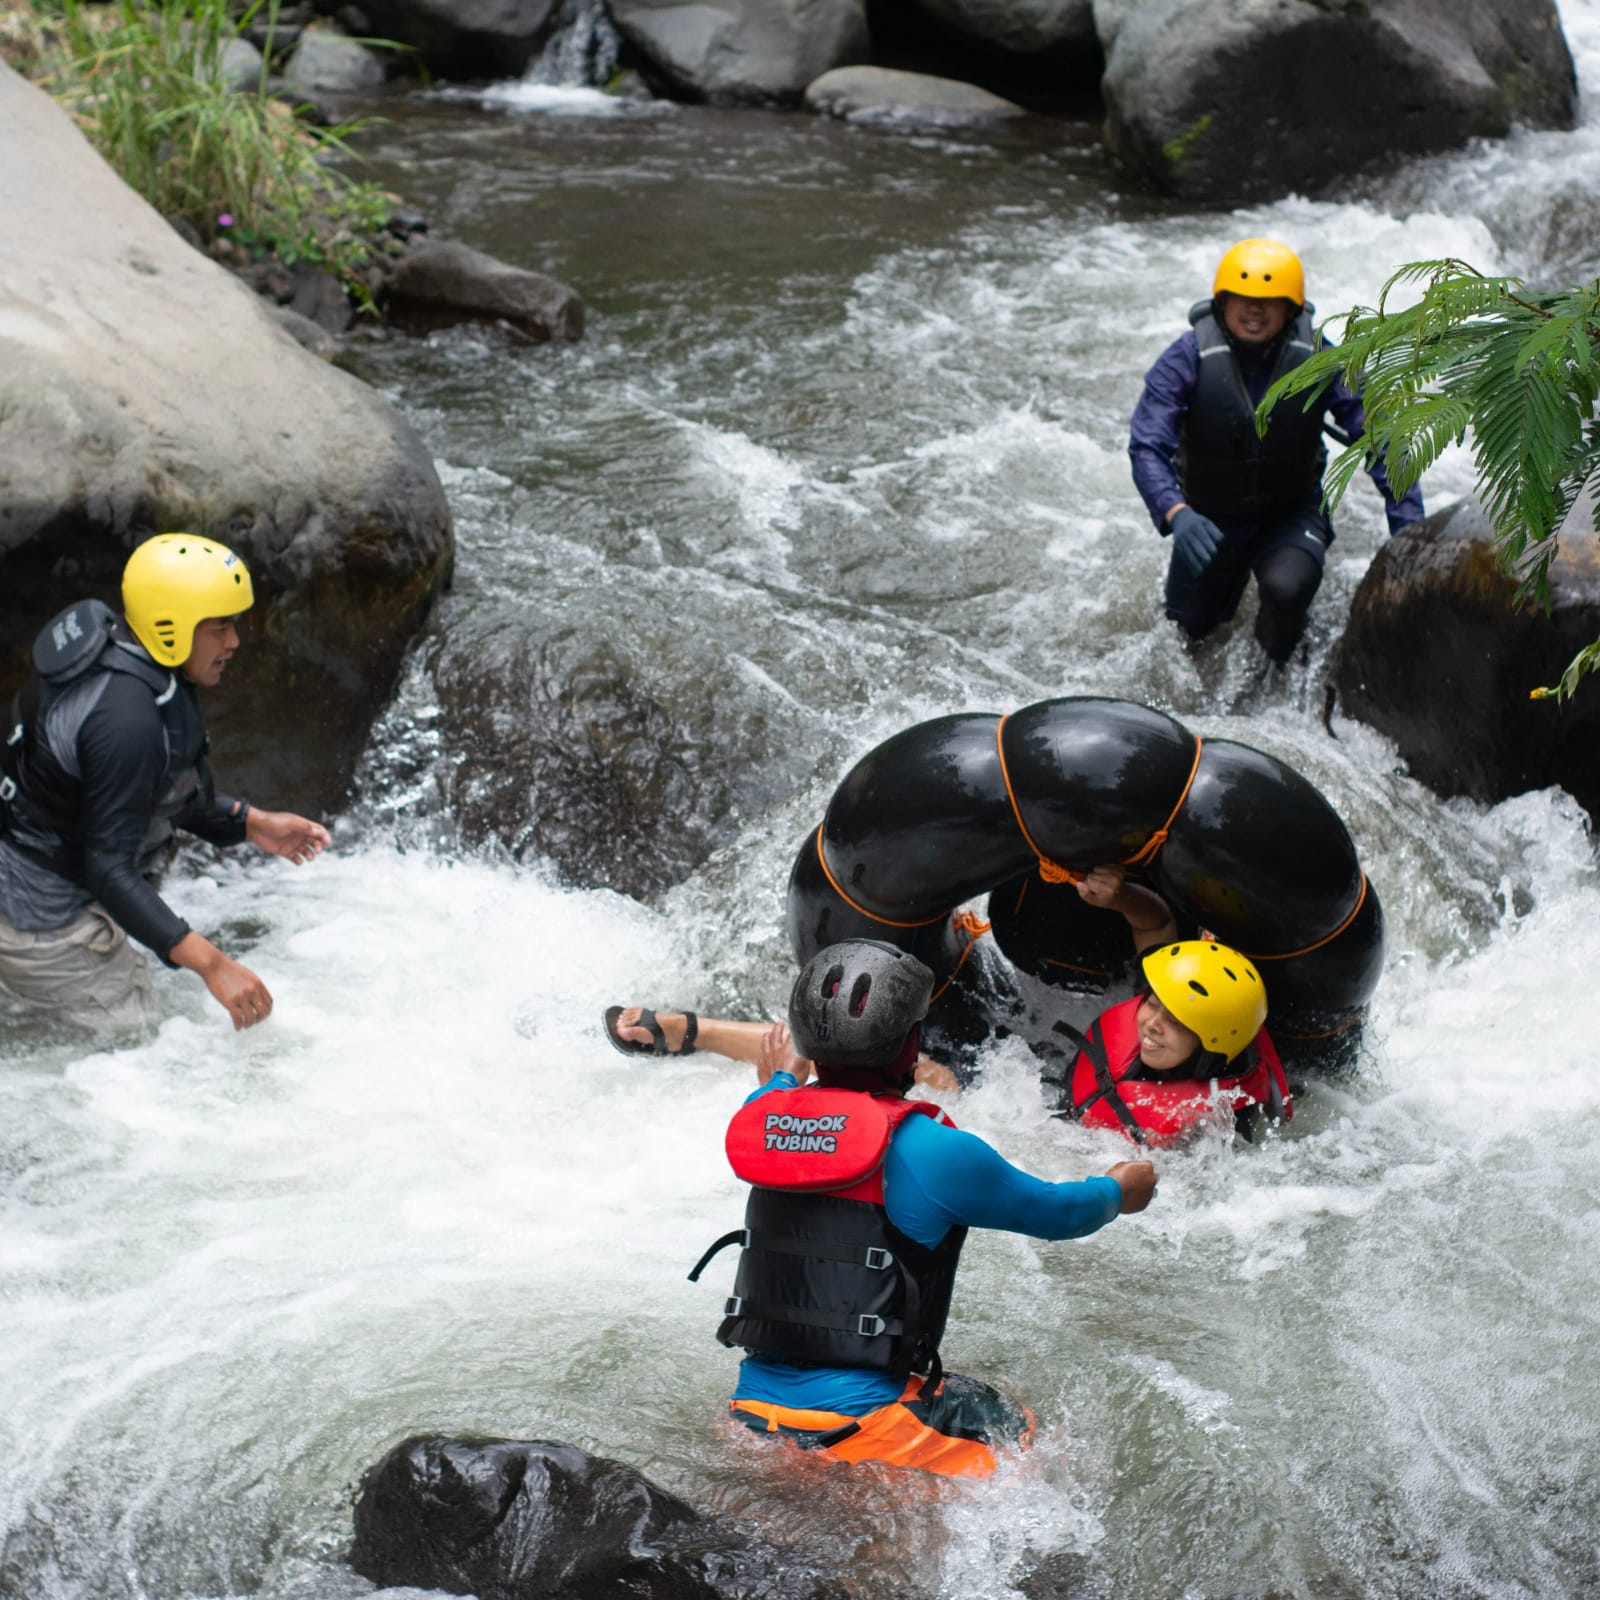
[[658, 1039]]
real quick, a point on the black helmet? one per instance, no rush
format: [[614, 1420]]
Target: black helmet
[[854, 1003]]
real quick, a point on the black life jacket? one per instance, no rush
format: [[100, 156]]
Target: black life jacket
[[1226, 469], [41, 803], [825, 1278]]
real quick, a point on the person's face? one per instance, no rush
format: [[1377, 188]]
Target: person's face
[[1255, 321], [215, 640], [1164, 1042]]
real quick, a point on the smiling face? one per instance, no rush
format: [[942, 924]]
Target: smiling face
[[215, 640], [1164, 1043], [1255, 321]]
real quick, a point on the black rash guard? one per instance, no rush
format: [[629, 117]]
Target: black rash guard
[[110, 734]]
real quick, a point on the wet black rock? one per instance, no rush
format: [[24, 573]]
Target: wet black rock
[[465, 38], [1232, 100], [512, 1520], [556, 744], [437, 284], [1436, 656]]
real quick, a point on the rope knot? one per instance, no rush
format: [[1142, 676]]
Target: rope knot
[[1054, 872]]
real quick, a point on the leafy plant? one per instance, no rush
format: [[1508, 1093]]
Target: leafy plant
[[1484, 359], [150, 84]]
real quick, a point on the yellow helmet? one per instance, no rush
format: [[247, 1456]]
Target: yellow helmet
[[1262, 269], [172, 583], [1212, 990]]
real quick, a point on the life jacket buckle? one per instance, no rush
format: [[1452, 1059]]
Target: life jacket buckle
[[878, 1259], [869, 1326], [8, 789], [16, 735], [733, 1306]]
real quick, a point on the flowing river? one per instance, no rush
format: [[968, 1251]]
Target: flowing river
[[844, 449]]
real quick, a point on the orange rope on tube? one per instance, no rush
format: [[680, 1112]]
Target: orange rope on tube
[[1159, 837], [871, 916], [1050, 871], [1053, 871], [1290, 954], [971, 924]]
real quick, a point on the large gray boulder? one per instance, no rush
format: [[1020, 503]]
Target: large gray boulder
[[1022, 27], [143, 388], [1437, 657], [1233, 100], [905, 99], [509, 1519], [744, 50], [465, 38]]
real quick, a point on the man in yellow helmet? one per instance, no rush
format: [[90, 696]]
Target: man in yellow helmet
[[1236, 503], [104, 760]]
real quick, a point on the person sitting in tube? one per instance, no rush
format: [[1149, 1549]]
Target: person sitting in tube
[[1153, 1067], [860, 1201], [1194, 1037]]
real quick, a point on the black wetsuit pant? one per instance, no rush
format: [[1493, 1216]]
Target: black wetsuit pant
[[1286, 554]]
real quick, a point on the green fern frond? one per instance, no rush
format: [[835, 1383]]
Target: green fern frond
[[1481, 360]]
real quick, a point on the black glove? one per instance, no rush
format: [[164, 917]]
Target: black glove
[[1195, 541]]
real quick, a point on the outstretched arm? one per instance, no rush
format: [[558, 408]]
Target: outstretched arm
[[939, 1177]]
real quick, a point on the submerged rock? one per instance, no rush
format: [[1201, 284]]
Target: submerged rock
[[510, 1520], [1229, 100], [143, 388], [555, 744], [1436, 656], [744, 50], [878, 94], [439, 283]]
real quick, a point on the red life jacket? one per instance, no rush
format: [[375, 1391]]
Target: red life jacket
[[824, 1277], [1151, 1111]]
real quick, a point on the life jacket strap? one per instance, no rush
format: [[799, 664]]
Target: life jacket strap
[[738, 1236], [864, 1324], [1093, 1046], [874, 1257]]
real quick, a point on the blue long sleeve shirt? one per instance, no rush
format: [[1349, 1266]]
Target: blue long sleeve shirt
[[1156, 432], [935, 1178]]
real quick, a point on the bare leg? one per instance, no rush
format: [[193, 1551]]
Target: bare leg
[[741, 1041], [738, 1041]]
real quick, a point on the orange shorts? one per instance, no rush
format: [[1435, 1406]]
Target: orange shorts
[[953, 1432]]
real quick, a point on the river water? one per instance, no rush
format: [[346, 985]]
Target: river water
[[843, 449]]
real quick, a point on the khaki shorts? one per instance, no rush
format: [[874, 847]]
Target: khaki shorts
[[86, 972]]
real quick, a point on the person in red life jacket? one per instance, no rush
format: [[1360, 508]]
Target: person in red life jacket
[[860, 1202], [1193, 1039], [1233, 501]]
